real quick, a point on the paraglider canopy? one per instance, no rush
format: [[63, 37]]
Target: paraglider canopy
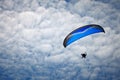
[[82, 32]]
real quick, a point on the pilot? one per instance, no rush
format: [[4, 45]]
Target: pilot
[[84, 55]]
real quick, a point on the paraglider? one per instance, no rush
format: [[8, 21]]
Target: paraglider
[[82, 32], [84, 55]]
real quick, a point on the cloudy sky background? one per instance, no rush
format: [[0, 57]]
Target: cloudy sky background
[[32, 34]]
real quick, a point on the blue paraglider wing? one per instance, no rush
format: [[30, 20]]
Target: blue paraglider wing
[[82, 32]]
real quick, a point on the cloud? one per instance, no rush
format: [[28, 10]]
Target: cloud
[[114, 3], [32, 34]]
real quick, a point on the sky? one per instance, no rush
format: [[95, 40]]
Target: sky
[[32, 34]]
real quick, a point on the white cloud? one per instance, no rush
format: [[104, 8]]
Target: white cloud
[[32, 34]]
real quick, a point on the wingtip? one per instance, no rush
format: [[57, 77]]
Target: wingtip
[[103, 30], [64, 45]]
